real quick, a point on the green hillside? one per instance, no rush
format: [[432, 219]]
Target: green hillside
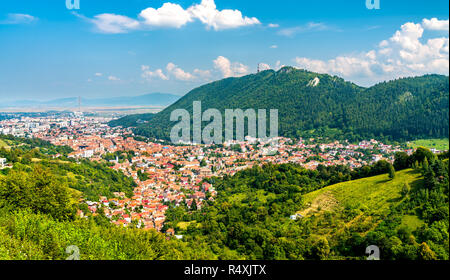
[[439, 144], [406, 216], [370, 199], [3, 144], [312, 104], [92, 179]]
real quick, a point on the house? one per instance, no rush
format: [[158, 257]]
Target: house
[[2, 162], [205, 172], [294, 217]]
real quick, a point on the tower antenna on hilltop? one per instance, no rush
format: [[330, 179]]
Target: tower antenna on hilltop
[[259, 69]]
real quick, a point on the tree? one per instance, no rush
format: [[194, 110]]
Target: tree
[[405, 189], [421, 154], [41, 191], [194, 205], [425, 165], [426, 253], [391, 171], [401, 161]]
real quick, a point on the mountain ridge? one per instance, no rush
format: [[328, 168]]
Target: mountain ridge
[[312, 104], [151, 99]]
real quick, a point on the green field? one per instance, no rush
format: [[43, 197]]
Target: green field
[[439, 144], [361, 204], [185, 225]]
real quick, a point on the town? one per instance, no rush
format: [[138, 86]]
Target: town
[[173, 175]]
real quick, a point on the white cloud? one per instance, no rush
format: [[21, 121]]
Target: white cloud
[[435, 24], [273, 25], [274, 47], [179, 73], [114, 24], [404, 54], [311, 26], [208, 14], [169, 15], [18, 19], [278, 65], [204, 74], [173, 71], [229, 69], [98, 74], [148, 75], [113, 78], [264, 66]]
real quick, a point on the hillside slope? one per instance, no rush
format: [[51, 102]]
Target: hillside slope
[[309, 104], [367, 199]]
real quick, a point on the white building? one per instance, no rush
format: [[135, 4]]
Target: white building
[[2, 162]]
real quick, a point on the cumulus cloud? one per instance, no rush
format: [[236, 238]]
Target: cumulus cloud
[[435, 24], [18, 19], [179, 73], [229, 69], [273, 25], [203, 74], [264, 66], [148, 74], [404, 54], [278, 65], [171, 15], [208, 14], [175, 72]]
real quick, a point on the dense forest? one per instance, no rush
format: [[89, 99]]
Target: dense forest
[[401, 109]]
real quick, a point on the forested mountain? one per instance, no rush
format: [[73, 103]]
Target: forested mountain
[[312, 104]]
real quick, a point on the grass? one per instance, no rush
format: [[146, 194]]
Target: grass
[[412, 222], [439, 144], [261, 196], [359, 205], [3, 144], [184, 225]]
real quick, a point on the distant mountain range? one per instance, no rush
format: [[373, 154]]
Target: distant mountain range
[[152, 99], [317, 105]]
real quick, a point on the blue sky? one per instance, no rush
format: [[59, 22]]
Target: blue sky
[[133, 47]]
